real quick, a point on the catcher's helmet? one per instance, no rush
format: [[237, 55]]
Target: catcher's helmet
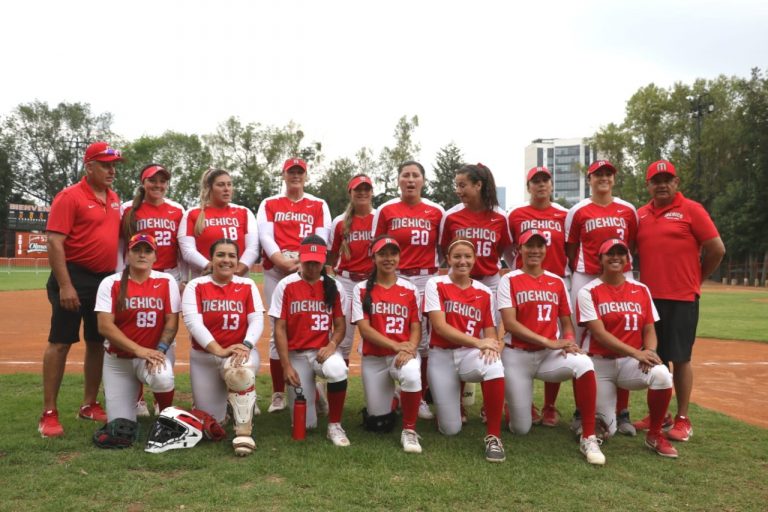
[[174, 428]]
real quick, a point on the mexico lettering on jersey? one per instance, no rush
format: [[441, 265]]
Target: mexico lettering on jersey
[[308, 320], [624, 311], [538, 301], [284, 223], [469, 311], [589, 225], [551, 222], [359, 239], [223, 310], [393, 310], [162, 222], [232, 221], [669, 243], [415, 227], [488, 230], [145, 307]]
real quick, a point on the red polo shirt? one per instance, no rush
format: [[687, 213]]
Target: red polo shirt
[[669, 243], [91, 226]]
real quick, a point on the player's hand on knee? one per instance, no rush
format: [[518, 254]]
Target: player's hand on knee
[[154, 358], [490, 355], [239, 354], [402, 358]]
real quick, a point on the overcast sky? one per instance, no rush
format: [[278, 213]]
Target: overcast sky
[[489, 76]]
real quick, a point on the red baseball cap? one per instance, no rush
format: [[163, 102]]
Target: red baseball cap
[[295, 162], [313, 252], [611, 243], [527, 235], [357, 181], [152, 170], [142, 238], [533, 171], [660, 167], [383, 242], [101, 152], [599, 164]]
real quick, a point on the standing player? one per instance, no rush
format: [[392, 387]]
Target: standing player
[[619, 315], [152, 213], [532, 301], [308, 309], [138, 314], [216, 218], [463, 346], [225, 317], [415, 223], [386, 309], [284, 221], [350, 243], [588, 224], [83, 230], [549, 218], [672, 234]]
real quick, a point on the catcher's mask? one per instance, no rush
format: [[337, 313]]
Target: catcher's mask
[[174, 428]]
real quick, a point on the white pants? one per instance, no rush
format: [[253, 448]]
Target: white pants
[[625, 373], [446, 369], [521, 367], [379, 377], [123, 377], [271, 278], [420, 282], [345, 347], [492, 282], [209, 391], [333, 369]]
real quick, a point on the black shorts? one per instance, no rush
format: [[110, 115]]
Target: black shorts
[[676, 330], [65, 325]]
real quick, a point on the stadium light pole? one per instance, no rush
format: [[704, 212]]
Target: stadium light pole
[[701, 105]]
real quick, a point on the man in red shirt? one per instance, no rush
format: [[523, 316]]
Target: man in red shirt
[[673, 232], [83, 230]]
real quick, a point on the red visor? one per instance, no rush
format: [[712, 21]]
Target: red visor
[[142, 238], [151, 171], [383, 242], [537, 170], [599, 164], [313, 252], [611, 243], [525, 237], [357, 181]]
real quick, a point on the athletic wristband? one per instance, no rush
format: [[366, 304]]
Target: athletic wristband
[[163, 347], [248, 344], [569, 336]]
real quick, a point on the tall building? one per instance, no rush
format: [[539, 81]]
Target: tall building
[[567, 159]]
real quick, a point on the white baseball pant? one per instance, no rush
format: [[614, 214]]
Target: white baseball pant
[[271, 278], [123, 377], [333, 369], [446, 369], [420, 282], [345, 347], [209, 391], [379, 377]]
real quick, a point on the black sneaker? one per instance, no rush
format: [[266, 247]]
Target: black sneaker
[[494, 450]]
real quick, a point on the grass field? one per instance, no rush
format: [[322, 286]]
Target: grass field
[[724, 467], [734, 315]]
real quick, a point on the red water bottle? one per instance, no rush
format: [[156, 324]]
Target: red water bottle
[[299, 415]]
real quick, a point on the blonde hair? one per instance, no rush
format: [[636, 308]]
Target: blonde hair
[[206, 182]]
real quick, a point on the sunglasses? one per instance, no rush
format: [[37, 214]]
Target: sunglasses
[[142, 238], [109, 152]]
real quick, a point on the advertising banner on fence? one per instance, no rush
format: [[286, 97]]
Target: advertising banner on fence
[[31, 245]]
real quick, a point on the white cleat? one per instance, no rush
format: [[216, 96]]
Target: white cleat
[[337, 435], [278, 402], [424, 412], [410, 441], [590, 448]]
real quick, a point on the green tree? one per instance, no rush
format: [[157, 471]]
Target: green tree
[[332, 184], [404, 149], [183, 155], [441, 189], [45, 145]]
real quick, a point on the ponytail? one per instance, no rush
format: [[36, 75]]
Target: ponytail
[[368, 299], [484, 175], [123, 289], [330, 291], [129, 221], [206, 182], [347, 226]]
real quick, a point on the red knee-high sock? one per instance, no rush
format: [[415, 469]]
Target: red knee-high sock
[[551, 390], [586, 391], [278, 379], [164, 399], [424, 384], [493, 399], [658, 402], [141, 392], [409, 403], [622, 399], [336, 404]]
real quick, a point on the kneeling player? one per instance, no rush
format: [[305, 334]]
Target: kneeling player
[[225, 317], [532, 301]]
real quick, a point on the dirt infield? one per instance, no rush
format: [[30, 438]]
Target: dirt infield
[[731, 376]]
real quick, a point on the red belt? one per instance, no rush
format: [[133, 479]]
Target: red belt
[[355, 276], [417, 271]]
